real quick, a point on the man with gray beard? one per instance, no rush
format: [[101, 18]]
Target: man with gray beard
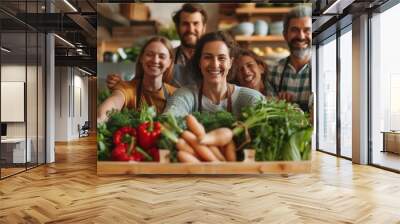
[[291, 78]]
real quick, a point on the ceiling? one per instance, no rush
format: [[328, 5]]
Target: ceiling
[[77, 26], [330, 16]]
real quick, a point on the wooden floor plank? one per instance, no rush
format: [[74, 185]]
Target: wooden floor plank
[[69, 191]]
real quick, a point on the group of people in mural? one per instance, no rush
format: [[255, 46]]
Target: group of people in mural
[[209, 72]]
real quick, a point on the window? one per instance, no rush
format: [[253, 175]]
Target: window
[[385, 85], [327, 96], [22, 67], [346, 93]]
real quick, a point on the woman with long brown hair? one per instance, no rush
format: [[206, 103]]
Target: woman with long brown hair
[[153, 72]]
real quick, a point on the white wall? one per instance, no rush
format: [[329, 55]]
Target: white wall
[[81, 94], [13, 73], [70, 83], [61, 103]]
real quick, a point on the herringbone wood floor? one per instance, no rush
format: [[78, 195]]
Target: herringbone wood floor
[[70, 192]]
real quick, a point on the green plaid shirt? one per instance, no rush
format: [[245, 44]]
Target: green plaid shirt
[[288, 80]]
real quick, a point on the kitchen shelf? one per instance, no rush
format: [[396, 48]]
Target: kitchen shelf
[[112, 46], [263, 11], [255, 38]]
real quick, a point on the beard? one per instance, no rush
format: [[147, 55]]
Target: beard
[[186, 43], [300, 52]]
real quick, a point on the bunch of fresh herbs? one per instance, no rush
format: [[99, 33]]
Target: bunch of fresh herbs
[[278, 131]]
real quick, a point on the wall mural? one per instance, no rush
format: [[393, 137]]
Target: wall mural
[[187, 95]]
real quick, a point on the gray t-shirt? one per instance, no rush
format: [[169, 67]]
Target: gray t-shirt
[[183, 75], [185, 101], [209, 106]]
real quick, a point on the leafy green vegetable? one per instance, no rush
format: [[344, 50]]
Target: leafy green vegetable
[[278, 131], [175, 127], [125, 117], [215, 120], [165, 143], [104, 141]]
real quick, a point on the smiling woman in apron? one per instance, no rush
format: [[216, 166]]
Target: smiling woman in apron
[[251, 71], [154, 68], [212, 62]]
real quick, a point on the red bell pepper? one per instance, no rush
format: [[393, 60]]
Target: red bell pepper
[[122, 134], [148, 133], [125, 145], [154, 153], [126, 148], [123, 152]]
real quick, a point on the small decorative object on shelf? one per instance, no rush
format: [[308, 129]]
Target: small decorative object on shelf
[[122, 55], [245, 29], [260, 28], [108, 56], [276, 28]]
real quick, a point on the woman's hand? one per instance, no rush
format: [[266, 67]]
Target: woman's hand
[[113, 80]]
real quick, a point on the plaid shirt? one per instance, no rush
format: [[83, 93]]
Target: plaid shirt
[[296, 83]]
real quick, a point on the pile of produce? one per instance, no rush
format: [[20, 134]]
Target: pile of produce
[[276, 130], [195, 145], [129, 136]]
